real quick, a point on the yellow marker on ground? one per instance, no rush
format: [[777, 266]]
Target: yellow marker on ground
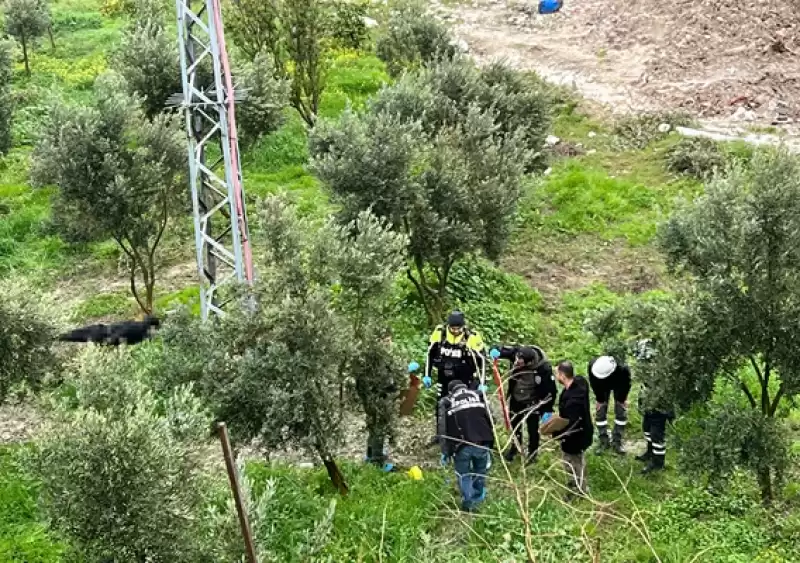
[[415, 473]]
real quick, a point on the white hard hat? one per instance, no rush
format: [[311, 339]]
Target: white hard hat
[[603, 367]]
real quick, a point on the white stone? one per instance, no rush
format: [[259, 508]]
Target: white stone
[[664, 128], [369, 22], [592, 134], [552, 140], [548, 171]]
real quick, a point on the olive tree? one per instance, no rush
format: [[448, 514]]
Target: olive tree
[[6, 102], [413, 37], [117, 174], [451, 191], [120, 467], [295, 35], [147, 57], [735, 324], [272, 369], [27, 21], [26, 335]]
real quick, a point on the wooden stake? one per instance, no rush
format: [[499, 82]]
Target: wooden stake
[[237, 493]]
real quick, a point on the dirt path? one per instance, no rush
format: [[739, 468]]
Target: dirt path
[[631, 56]]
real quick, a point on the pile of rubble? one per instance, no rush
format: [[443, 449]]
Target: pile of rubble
[[714, 56]]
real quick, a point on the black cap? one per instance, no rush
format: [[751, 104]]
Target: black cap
[[455, 384], [456, 318], [527, 354]]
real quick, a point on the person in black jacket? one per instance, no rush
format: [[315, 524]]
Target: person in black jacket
[[573, 405], [466, 435], [531, 393], [608, 376]]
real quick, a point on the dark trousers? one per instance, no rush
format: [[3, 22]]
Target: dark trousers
[[654, 426], [521, 415]]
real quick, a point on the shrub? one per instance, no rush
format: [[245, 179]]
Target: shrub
[[6, 100], [696, 157], [25, 339], [119, 468], [348, 28], [638, 131], [443, 94], [27, 21], [413, 37], [261, 113]]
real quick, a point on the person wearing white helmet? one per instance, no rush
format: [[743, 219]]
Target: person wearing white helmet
[[607, 376]]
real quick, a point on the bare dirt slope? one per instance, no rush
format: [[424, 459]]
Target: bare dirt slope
[[710, 57]]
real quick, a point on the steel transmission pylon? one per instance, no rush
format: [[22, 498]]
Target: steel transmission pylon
[[218, 204]]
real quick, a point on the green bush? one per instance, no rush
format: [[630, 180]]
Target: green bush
[[696, 157], [75, 21], [348, 29], [412, 37], [639, 130], [6, 100], [119, 467], [25, 339]]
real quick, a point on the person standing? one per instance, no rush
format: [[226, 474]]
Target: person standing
[[531, 392], [456, 353], [576, 437], [607, 377], [466, 436], [654, 426]]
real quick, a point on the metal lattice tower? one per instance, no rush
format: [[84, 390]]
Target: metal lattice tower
[[220, 218]]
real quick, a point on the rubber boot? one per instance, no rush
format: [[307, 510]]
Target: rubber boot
[[656, 463], [510, 454], [618, 448]]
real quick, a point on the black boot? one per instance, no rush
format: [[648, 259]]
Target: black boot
[[618, 448], [510, 454], [654, 464]]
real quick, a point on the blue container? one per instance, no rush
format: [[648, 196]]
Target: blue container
[[550, 6]]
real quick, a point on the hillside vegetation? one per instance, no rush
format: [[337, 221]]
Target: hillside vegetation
[[116, 462]]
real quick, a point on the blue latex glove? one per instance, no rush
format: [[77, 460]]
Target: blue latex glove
[[444, 461], [495, 353], [427, 382], [546, 416], [412, 367], [482, 388]]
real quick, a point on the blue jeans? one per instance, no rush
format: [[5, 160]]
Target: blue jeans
[[470, 464]]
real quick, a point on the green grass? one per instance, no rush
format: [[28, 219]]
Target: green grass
[[24, 538]]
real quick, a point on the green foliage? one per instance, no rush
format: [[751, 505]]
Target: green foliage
[[503, 307], [444, 94], [74, 21], [6, 101], [697, 157], [136, 491], [147, 57], [638, 131], [261, 113], [117, 175], [740, 249], [348, 28], [23, 537], [294, 34], [25, 339], [113, 8], [451, 193], [27, 21], [413, 37]]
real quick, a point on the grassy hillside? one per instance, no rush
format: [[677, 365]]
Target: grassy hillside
[[583, 240]]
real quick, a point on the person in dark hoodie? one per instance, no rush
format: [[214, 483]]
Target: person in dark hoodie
[[466, 435], [573, 405], [531, 392]]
